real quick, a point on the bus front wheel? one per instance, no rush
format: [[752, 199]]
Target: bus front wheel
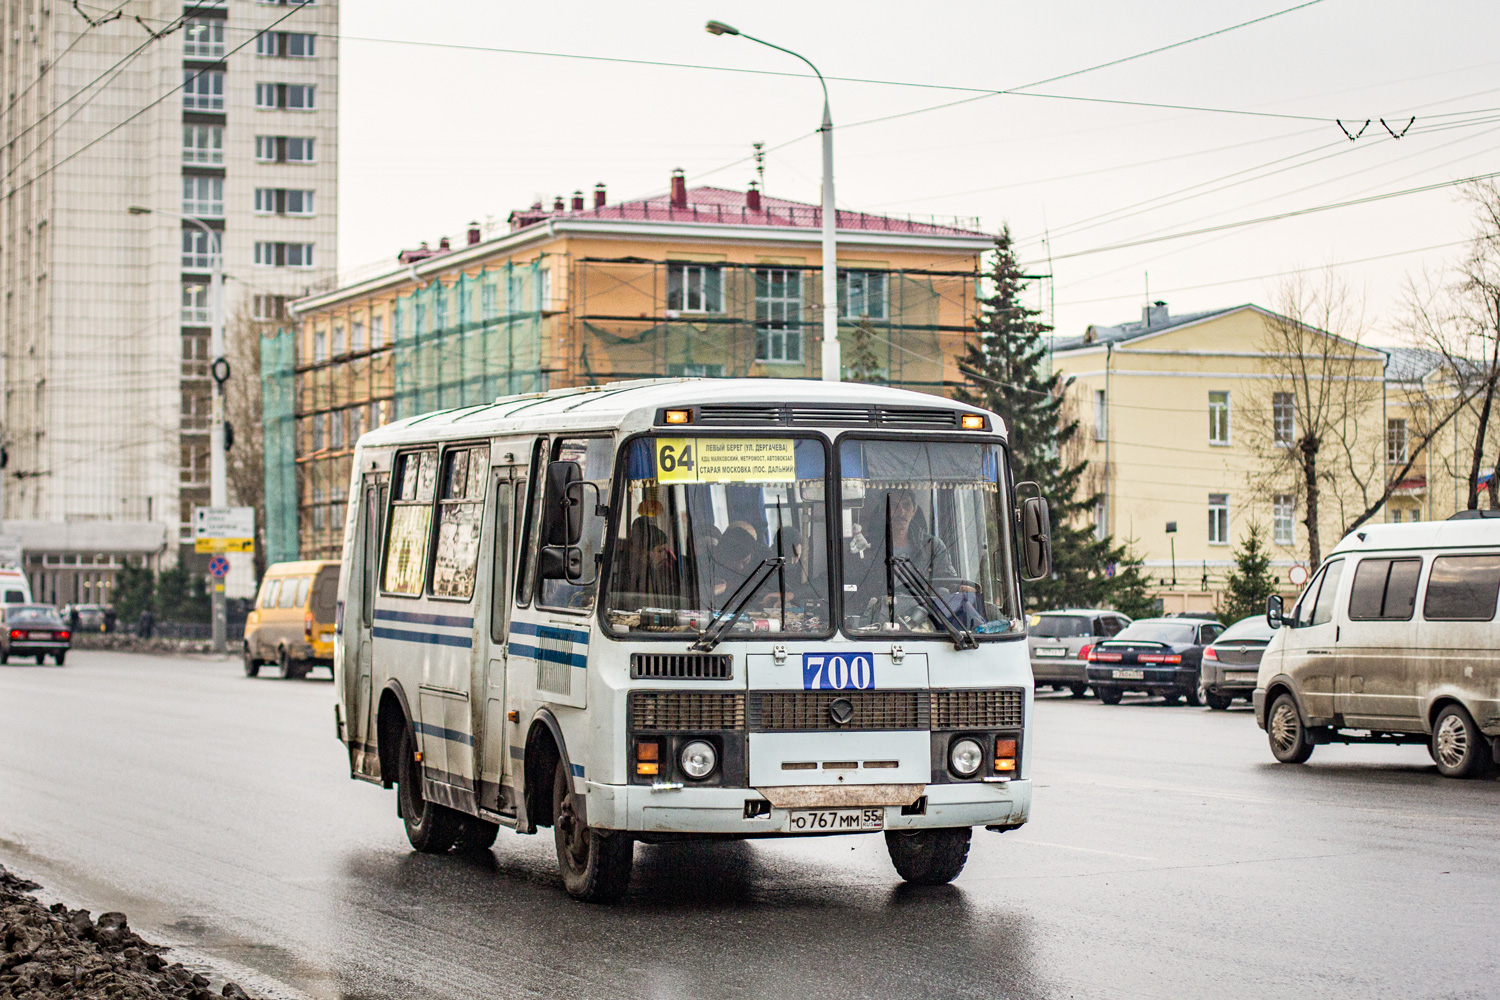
[[928, 857], [431, 828], [595, 864]]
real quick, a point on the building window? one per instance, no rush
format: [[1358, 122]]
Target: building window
[[1101, 519], [268, 308], [283, 149], [284, 254], [1218, 418], [320, 345], [203, 38], [285, 44], [195, 306], [283, 201], [197, 250], [203, 197], [284, 96], [338, 339], [1283, 519], [1101, 416], [203, 145], [1218, 519], [1283, 418], [694, 288], [778, 316], [862, 294], [202, 90], [1395, 441], [487, 304], [695, 371], [543, 289], [377, 330], [356, 335]]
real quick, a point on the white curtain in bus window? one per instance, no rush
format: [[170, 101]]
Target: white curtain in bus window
[[460, 515], [411, 523]]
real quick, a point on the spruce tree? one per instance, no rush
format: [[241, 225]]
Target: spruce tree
[[1006, 371], [1250, 582], [1130, 594]]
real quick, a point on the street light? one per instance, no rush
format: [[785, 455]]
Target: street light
[[832, 362], [218, 492]]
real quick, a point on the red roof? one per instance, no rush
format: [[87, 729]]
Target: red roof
[[721, 206]]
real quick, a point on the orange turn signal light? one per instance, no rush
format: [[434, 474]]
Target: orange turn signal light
[[679, 416], [972, 422], [647, 756], [1005, 755]]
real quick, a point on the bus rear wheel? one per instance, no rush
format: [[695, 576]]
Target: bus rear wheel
[[595, 864], [928, 857], [431, 828]]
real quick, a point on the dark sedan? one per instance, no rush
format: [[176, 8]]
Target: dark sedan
[[34, 630], [1231, 664], [1153, 656]]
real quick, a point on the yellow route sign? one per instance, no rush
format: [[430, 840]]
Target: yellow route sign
[[725, 460]]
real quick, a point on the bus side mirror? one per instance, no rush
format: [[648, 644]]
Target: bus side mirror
[[1036, 538], [562, 508], [1274, 611]]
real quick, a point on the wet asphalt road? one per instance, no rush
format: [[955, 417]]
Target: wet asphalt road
[[1168, 856]]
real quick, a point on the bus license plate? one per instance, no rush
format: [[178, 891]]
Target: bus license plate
[[1128, 675], [836, 820]]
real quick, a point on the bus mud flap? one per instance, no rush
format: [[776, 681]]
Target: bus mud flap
[[839, 796]]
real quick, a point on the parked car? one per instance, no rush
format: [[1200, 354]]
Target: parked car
[[34, 630], [1059, 641], [293, 621], [86, 617], [1393, 641], [1153, 656], [1231, 664]]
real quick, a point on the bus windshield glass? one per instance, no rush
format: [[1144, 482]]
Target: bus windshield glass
[[925, 539], [715, 526]]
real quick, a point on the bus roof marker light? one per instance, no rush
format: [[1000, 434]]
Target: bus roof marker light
[[679, 416], [972, 422]]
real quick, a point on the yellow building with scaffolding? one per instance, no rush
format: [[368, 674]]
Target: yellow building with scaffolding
[[697, 282]]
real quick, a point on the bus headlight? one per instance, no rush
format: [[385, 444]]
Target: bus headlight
[[699, 759], [965, 757]]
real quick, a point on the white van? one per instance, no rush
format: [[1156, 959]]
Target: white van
[[1393, 641], [14, 587]]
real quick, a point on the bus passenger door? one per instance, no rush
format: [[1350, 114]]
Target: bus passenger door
[[491, 625], [358, 627]]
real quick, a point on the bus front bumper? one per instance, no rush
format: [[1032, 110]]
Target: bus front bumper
[[724, 811]]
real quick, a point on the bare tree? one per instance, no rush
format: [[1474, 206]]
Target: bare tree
[[1478, 296], [242, 401]]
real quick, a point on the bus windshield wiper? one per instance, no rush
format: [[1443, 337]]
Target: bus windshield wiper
[[922, 588], [735, 606]]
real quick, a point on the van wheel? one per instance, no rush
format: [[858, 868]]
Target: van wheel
[[291, 670], [252, 665], [431, 828], [595, 864], [928, 857], [1459, 749], [1109, 695], [1289, 743], [1079, 690]]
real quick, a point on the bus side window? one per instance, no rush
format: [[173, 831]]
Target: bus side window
[[594, 457], [374, 508], [525, 551], [460, 516], [499, 592], [412, 489]]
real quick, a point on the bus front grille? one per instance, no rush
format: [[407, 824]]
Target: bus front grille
[[1000, 709], [794, 711], [675, 710], [682, 666]]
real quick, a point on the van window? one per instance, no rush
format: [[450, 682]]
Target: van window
[[411, 522], [460, 515], [303, 583], [1462, 588], [264, 598], [1384, 589], [325, 594], [288, 595], [15, 597], [1322, 612]]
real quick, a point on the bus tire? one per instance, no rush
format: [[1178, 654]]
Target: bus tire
[[1458, 748], [1285, 732], [252, 665], [475, 835], [1109, 695], [595, 864], [928, 857], [431, 828]]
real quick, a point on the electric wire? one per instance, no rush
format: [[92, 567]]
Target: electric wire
[[105, 19]]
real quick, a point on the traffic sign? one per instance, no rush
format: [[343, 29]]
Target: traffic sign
[[218, 567], [1298, 575], [224, 529]]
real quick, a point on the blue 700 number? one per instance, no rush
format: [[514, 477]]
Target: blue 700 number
[[838, 672]]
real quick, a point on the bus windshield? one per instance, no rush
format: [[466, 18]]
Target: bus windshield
[[714, 526], [925, 539]]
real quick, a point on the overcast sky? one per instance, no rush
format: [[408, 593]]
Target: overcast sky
[[434, 136]]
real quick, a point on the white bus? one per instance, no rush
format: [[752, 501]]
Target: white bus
[[689, 608]]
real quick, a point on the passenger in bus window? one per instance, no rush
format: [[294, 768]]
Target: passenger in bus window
[[651, 565]]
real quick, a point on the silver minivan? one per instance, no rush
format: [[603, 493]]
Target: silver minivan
[[1394, 640]]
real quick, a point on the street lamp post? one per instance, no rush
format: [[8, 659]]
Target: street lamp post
[[832, 361], [218, 476]]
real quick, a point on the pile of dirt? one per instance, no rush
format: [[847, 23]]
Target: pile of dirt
[[50, 952]]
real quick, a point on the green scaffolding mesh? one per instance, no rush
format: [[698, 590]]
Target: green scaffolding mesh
[[279, 427]]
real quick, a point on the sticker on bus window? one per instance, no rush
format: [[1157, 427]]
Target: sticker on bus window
[[838, 672], [726, 460]]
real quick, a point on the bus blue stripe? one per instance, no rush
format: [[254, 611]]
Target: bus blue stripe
[[550, 632], [415, 618], [451, 735], [550, 655], [433, 638]]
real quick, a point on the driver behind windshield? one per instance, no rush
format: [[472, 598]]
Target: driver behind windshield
[[910, 539]]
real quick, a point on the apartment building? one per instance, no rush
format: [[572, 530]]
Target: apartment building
[[123, 123], [696, 282]]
